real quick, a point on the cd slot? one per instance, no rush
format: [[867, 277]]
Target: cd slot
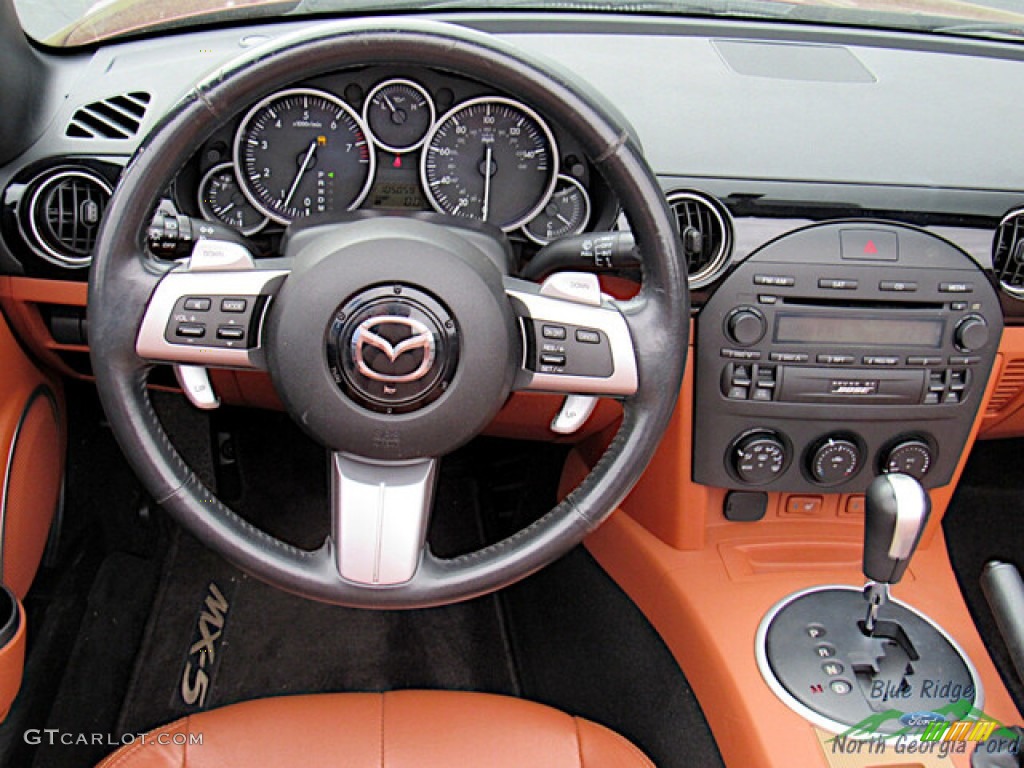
[[855, 304]]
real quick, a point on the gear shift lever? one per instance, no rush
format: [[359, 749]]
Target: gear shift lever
[[896, 509]]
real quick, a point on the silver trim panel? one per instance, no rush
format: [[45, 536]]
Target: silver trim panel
[[530, 305], [195, 383], [380, 512], [178, 283], [815, 718], [912, 508]]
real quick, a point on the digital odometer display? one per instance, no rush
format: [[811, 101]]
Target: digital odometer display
[[491, 159], [860, 331], [302, 152]]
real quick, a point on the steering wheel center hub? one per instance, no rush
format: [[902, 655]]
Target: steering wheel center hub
[[393, 349], [392, 338]]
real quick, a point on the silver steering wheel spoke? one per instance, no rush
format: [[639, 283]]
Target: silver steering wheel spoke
[[380, 511], [209, 311], [575, 341]]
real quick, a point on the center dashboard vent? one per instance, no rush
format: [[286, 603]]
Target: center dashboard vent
[[706, 232], [63, 215], [118, 117], [1008, 253]]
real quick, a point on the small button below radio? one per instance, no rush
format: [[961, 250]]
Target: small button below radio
[[881, 360], [836, 359], [783, 281], [788, 357]]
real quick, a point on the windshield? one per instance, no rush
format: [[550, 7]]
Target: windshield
[[69, 23]]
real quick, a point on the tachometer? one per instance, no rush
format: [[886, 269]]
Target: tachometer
[[301, 152], [490, 158]]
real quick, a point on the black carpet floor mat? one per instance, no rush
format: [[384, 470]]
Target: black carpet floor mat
[[217, 636], [983, 523]]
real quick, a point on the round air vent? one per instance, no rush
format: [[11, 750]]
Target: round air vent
[[706, 231], [1008, 253], [64, 213]]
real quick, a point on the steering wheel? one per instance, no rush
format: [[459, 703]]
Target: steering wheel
[[392, 340]]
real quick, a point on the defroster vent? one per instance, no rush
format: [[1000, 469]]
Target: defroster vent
[[118, 117]]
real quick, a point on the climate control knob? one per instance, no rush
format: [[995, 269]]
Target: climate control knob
[[971, 333], [758, 457], [834, 460], [910, 457], [745, 326]]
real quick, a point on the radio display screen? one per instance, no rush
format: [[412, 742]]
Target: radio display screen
[[860, 331]]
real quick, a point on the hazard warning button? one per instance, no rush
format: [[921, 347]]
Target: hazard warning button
[[869, 245]]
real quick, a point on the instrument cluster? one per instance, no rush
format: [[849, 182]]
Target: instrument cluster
[[395, 141]]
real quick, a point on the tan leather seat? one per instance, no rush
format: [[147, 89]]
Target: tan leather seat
[[403, 729]]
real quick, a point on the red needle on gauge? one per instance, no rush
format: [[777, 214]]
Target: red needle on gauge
[[298, 176]]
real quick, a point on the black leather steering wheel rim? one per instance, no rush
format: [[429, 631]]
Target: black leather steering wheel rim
[[123, 277]]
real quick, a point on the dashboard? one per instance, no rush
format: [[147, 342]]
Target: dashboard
[[757, 132]]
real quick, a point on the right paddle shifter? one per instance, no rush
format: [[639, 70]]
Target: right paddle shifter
[[896, 510]]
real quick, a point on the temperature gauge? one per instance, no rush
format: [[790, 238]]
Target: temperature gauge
[[399, 113], [221, 199], [566, 213]]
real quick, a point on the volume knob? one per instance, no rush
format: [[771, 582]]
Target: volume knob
[[745, 326], [971, 333]]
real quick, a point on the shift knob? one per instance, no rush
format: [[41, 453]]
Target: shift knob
[[896, 509]]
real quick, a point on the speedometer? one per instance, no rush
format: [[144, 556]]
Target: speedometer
[[492, 159], [301, 152]]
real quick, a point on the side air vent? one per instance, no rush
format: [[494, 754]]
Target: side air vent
[[118, 117], [64, 213], [706, 231], [1008, 253]]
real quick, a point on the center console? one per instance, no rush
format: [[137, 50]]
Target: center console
[[838, 352]]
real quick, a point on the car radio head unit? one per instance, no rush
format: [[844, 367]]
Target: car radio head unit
[[839, 351]]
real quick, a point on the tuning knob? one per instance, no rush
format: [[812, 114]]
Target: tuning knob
[[745, 326], [971, 333]]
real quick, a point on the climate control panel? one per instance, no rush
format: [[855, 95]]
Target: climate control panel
[[839, 351]]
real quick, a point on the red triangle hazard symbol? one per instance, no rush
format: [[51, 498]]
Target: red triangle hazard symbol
[[871, 248]]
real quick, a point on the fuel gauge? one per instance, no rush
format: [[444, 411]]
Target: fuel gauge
[[566, 213], [221, 199]]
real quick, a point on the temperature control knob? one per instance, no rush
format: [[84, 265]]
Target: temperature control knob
[[745, 326], [834, 460], [758, 457], [971, 333], [909, 457]]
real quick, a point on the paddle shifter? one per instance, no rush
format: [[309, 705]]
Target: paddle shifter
[[896, 509]]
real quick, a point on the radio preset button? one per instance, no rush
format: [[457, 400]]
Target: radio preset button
[[915, 360], [782, 281], [881, 360], [957, 360], [836, 359], [741, 354], [897, 286], [837, 283], [745, 326], [788, 357]]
